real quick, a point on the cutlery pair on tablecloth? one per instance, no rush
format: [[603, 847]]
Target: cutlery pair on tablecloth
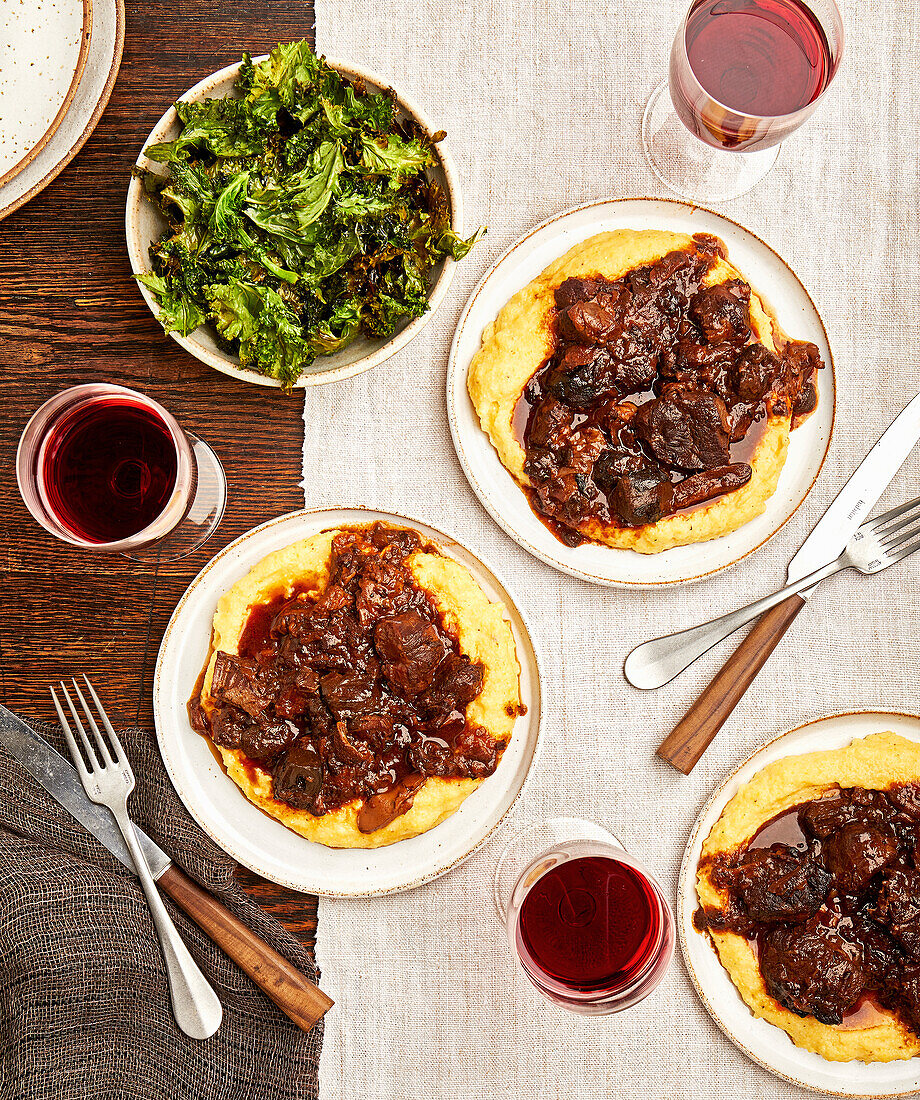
[[195, 1005], [837, 542]]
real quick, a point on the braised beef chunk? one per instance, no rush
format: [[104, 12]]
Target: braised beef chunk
[[805, 404], [356, 692], [706, 365], [297, 778], [227, 725], [582, 376], [800, 361], [333, 641], [319, 718], [551, 425], [754, 373], [854, 804], [412, 649], [722, 312], [708, 484], [594, 321], [898, 908], [640, 497], [634, 338], [613, 462], [576, 290], [381, 591], [349, 694], [474, 754], [907, 798], [685, 428], [812, 973], [706, 242], [197, 718], [583, 450], [394, 543], [352, 752], [287, 613], [838, 915], [780, 884], [857, 852], [268, 738], [457, 683], [235, 681]]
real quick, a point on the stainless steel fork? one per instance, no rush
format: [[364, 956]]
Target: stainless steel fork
[[876, 545], [108, 780]]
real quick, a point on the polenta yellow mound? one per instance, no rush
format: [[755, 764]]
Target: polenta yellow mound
[[858, 812], [641, 393], [360, 686]]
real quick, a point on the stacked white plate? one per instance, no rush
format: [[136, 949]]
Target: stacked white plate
[[58, 63]]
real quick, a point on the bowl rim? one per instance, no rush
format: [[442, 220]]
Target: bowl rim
[[137, 248]]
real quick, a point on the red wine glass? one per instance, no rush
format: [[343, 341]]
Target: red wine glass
[[743, 75], [106, 468], [588, 924]]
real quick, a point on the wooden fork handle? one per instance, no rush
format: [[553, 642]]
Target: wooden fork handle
[[687, 742], [296, 996]]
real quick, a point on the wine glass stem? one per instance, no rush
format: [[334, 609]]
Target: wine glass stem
[[689, 166]]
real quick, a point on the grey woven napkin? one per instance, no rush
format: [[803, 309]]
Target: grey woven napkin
[[84, 1006]]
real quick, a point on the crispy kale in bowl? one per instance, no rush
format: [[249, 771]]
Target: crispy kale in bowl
[[301, 213]]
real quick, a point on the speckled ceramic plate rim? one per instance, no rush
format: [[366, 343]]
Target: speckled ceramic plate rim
[[310, 521], [85, 35], [118, 7], [137, 249], [686, 900], [456, 393]]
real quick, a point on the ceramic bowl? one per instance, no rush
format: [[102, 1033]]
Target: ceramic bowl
[[144, 225]]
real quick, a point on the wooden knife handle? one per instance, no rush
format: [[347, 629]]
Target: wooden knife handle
[[296, 996], [687, 742]]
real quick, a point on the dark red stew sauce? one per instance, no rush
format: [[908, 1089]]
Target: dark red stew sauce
[[829, 894], [358, 692], [654, 395]]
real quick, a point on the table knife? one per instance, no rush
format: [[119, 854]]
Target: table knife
[[688, 740], [296, 996]]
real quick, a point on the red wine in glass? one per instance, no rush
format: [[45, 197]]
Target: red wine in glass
[[108, 468], [744, 74], [591, 924], [761, 59], [588, 923]]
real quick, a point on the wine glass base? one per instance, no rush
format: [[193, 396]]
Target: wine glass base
[[690, 167], [203, 516], [530, 843]]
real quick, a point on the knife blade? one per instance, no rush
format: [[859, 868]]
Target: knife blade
[[857, 498], [60, 780]]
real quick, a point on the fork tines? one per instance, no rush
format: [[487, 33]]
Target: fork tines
[[109, 755], [885, 524]]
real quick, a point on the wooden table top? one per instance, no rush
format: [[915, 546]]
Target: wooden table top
[[70, 312]]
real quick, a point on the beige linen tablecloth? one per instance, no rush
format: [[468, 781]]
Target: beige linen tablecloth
[[542, 104]]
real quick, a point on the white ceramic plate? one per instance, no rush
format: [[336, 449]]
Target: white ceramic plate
[[42, 55], [766, 1044], [259, 841], [498, 490], [81, 113], [144, 225]]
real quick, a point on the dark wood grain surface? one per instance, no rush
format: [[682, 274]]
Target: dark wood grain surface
[[70, 313]]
